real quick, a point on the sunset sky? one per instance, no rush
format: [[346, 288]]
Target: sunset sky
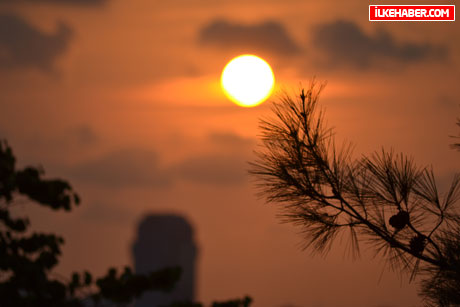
[[122, 98]]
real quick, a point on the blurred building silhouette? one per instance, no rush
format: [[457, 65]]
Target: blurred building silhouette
[[166, 240]]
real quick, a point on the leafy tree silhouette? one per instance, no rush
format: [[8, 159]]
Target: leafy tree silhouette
[[27, 258], [383, 199]]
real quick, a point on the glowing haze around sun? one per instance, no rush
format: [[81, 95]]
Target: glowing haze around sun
[[247, 80]]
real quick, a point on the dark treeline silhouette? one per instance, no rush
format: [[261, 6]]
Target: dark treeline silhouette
[[27, 257]]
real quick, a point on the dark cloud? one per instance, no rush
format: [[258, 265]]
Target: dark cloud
[[140, 168], [66, 142], [84, 135], [227, 164], [213, 169], [23, 46], [344, 42], [268, 36], [230, 139], [128, 167], [71, 2]]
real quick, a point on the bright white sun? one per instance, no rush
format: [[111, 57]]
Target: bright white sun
[[247, 80]]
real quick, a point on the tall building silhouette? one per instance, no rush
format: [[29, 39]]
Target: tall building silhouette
[[166, 240]]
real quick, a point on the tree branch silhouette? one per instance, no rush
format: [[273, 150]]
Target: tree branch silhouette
[[383, 199]]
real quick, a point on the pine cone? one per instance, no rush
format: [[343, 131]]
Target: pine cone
[[417, 244], [399, 220]]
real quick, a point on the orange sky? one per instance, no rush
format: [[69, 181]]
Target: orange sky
[[122, 98]]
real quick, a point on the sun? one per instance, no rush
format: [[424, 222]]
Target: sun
[[247, 80]]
